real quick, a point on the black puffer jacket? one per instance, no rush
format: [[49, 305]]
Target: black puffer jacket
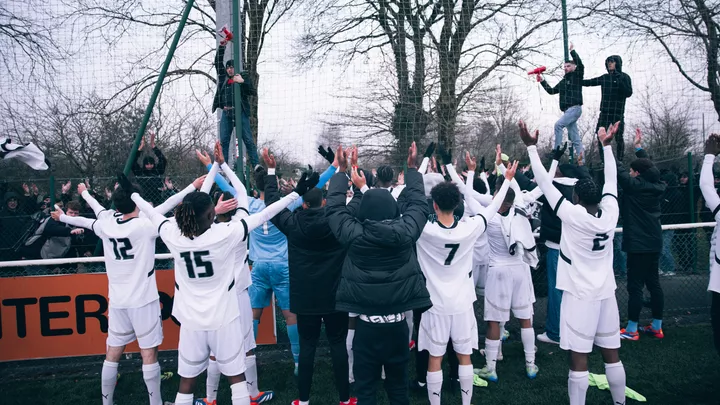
[[570, 87], [615, 87], [640, 209], [381, 274], [315, 257]]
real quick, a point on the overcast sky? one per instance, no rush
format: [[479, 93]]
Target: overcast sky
[[293, 102]]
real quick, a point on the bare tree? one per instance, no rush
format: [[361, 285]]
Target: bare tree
[[688, 31], [667, 126], [355, 29], [27, 45], [478, 39]]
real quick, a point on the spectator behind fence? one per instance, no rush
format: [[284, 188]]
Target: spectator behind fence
[[686, 239], [672, 207], [14, 219], [149, 175], [642, 238], [65, 240], [224, 99]]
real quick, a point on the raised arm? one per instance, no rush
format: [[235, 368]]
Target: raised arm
[[595, 81], [483, 177], [491, 210], [177, 198], [707, 180], [90, 200], [146, 208], [544, 181], [255, 220], [472, 207], [549, 89], [610, 172], [210, 178], [237, 185], [83, 222]]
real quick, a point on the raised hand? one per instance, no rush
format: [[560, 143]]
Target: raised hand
[[433, 165], [34, 188], [358, 178], [571, 47], [559, 152], [197, 183], [354, 156], [219, 158], [470, 162], [77, 231], [445, 155], [224, 206], [142, 144], [712, 145], [124, 182], [527, 138], [81, 188], [412, 156], [498, 155], [66, 187], [56, 214], [328, 154], [152, 139], [203, 157], [604, 136], [341, 158], [401, 179], [510, 171], [638, 138], [269, 158], [306, 183], [26, 189], [429, 150]]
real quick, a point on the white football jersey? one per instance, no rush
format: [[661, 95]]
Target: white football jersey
[[499, 251], [585, 267], [446, 259], [129, 250], [205, 273]]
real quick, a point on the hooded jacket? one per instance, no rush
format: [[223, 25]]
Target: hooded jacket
[[640, 209], [380, 273], [224, 94], [570, 87], [315, 257], [673, 206], [13, 224], [615, 86]]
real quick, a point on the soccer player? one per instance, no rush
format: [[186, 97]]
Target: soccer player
[[134, 304], [707, 186], [589, 312], [445, 253], [205, 300], [228, 206]]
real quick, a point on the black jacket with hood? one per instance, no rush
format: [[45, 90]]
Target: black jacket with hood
[[570, 87], [224, 94], [381, 274], [640, 208], [315, 257], [615, 86]]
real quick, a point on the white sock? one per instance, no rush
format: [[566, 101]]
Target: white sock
[[239, 394], [348, 346], [434, 386], [151, 375], [528, 340], [615, 373], [108, 381], [465, 374], [251, 375], [213, 381], [491, 353], [306, 402], [577, 387], [183, 399]]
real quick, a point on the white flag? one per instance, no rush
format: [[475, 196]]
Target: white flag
[[28, 153]]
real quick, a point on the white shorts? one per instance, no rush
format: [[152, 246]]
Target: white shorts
[[479, 274], [509, 287], [143, 323], [246, 320], [584, 323], [437, 330], [195, 347]]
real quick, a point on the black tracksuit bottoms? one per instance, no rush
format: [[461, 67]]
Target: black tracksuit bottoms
[[336, 330], [642, 271]]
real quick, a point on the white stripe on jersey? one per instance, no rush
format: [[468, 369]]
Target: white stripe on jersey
[[446, 259], [585, 267], [129, 250], [205, 271]]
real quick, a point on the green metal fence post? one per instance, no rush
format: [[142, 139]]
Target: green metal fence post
[[154, 96], [237, 97], [565, 29]]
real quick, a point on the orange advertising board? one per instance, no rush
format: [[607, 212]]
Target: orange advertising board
[[66, 315]]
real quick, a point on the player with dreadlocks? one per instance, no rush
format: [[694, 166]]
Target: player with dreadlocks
[[589, 312], [206, 304]]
